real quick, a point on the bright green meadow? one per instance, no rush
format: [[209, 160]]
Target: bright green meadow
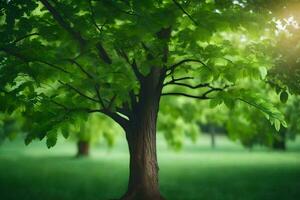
[[228, 172]]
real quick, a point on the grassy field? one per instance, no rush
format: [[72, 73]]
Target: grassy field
[[228, 172]]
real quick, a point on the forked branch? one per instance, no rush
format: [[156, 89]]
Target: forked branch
[[203, 96], [132, 64], [173, 67]]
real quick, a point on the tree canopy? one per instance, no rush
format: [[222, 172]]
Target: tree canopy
[[62, 59]]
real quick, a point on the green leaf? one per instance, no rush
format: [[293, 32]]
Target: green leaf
[[28, 139], [229, 103], [65, 131], [51, 138], [214, 102], [277, 125]]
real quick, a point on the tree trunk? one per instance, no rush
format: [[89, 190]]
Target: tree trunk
[[141, 138], [212, 135], [279, 143], [141, 133], [83, 148], [143, 175]]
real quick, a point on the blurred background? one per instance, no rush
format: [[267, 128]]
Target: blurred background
[[227, 154]]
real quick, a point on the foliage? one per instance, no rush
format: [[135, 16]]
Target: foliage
[[285, 76], [10, 126], [292, 117], [178, 120], [95, 129], [62, 60], [251, 128]]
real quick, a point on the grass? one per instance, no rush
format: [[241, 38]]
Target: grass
[[228, 172]]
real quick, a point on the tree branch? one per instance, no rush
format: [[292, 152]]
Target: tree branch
[[185, 12], [99, 96], [80, 67], [75, 34], [133, 65], [117, 118], [24, 37], [147, 49], [54, 66], [75, 109], [111, 102], [114, 116], [201, 85], [136, 71], [93, 17], [202, 97], [124, 110], [78, 91], [56, 15], [19, 56], [103, 54], [172, 68], [178, 79]]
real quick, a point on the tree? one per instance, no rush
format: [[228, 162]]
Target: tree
[[10, 126], [178, 121], [89, 132], [285, 75], [64, 59], [251, 127]]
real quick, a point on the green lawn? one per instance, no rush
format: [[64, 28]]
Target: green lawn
[[226, 173]]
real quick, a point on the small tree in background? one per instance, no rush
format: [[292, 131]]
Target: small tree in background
[[10, 126], [92, 131]]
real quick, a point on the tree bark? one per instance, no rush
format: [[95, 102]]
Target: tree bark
[[83, 148], [141, 138], [141, 132], [143, 175]]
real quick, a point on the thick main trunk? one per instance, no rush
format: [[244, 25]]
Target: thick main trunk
[[83, 148], [143, 177], [141, 138]]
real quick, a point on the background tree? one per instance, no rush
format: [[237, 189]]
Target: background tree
[[285, 75], [251, 127], [92, 131], [64, 59], [10, 126], [178, 121]]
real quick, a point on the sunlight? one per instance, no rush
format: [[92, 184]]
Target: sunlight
[[284, 25], [288, 19]]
